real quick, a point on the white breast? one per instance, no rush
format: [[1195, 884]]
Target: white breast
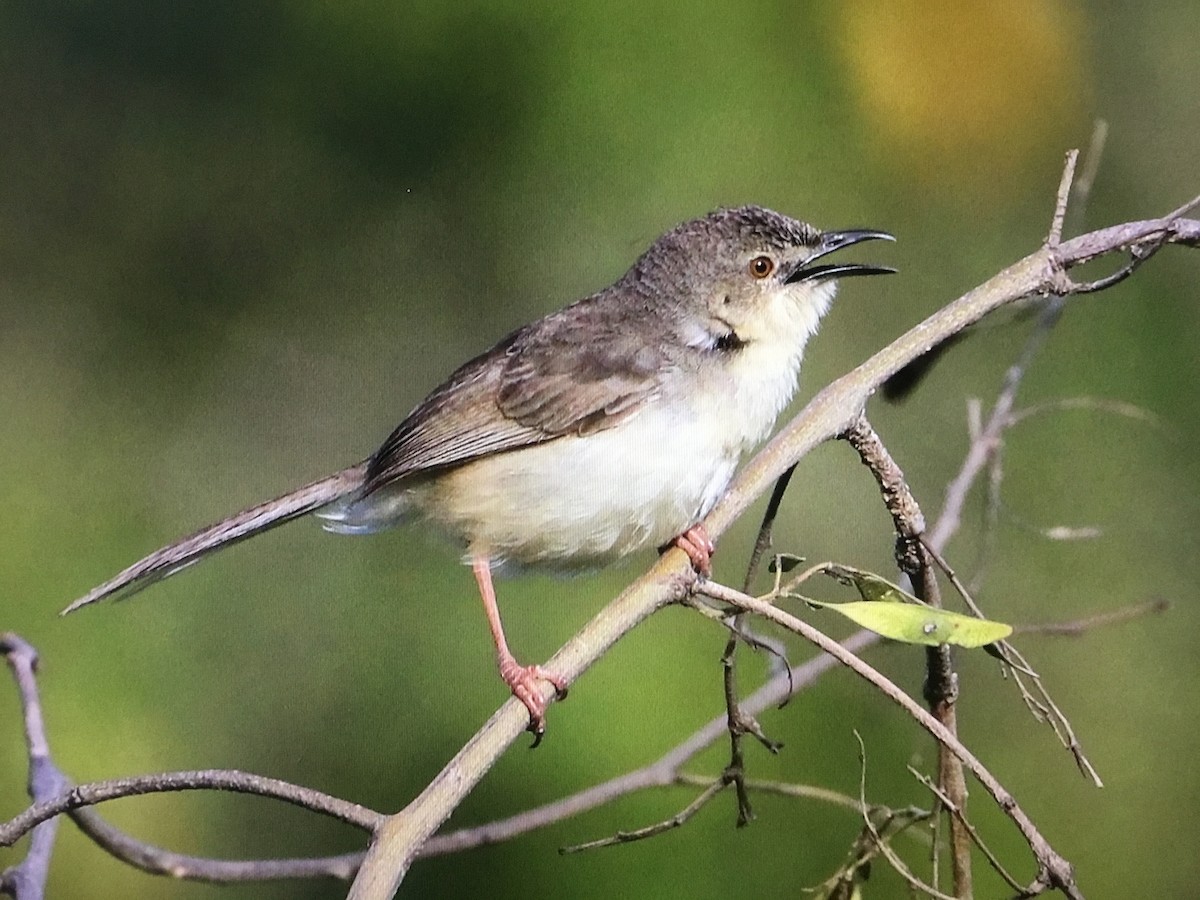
[[580, 502]]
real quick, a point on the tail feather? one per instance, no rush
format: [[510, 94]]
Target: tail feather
[[186, 551]]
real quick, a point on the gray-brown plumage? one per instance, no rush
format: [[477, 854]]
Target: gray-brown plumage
[[610, 425], [191, 549]]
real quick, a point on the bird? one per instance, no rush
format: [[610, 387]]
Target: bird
[[611, 425]]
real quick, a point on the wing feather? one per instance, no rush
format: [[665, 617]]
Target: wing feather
[[569, 373]]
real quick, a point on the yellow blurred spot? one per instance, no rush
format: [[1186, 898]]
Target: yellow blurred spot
[[967, 90]]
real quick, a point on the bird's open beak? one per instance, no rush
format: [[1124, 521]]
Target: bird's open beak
[[836, 240]]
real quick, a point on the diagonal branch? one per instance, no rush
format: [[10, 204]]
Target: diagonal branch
[[397, 843], [399, 839]]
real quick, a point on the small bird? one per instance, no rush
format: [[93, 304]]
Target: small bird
[[608, 426]]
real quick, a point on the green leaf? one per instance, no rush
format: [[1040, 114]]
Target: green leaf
[[924, 625]]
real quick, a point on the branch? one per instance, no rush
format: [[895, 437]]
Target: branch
[[156, 860], [835, 408], [941, 681], [1042, 706], [168, 782], [738, 721], [52, 792], [27, 879], [398, 841], [880, 845], [680, 818], [1079, 627], [664, 771], [667, 769], [1054, 871]]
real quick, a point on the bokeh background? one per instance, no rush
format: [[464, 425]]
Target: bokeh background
[[238, 241]]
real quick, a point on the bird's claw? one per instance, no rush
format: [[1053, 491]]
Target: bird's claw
[[523, 682], [699, 547]]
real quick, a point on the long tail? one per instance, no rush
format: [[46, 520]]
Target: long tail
[[170, 559]]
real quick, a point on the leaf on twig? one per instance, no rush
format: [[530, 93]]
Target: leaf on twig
[[914, 624]]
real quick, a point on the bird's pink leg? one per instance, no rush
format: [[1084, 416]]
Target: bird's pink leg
[[521, 680], [699, 547]]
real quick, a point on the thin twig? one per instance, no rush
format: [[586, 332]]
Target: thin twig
[[625, 837], [50, 783], [663, 771], [882, 845], [762, 543], [780, 788], [1078, 627], [739, 722], [1054, 871], [986, 441], [984, 446], [1054, 238], [1091, 163], [1098, 404], [978, 841], [155, 860], [1042, 706], [205, 779]]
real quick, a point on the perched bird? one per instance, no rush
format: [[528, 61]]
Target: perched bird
[[611, 425]]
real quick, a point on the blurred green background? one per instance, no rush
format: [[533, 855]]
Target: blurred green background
[[238, 241]]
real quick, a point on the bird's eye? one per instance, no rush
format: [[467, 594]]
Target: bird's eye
[[762, 266]]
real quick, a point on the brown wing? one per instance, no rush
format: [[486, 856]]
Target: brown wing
[[574, 372]]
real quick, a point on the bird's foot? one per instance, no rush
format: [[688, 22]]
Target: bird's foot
[[699, 547], [523, 682]]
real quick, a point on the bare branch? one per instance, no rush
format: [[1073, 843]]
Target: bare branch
[[664, 771], [1054, 238], [1099, 404], [883, 846], [828, 414], [166, 782], [53, 792], [781, 788], [27, 879], [1091, 162], [739, 722], [1055, 872], [1079, 627], [941, 681], [159, 861], [968, 827], [1042, 706], [625, 837]]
